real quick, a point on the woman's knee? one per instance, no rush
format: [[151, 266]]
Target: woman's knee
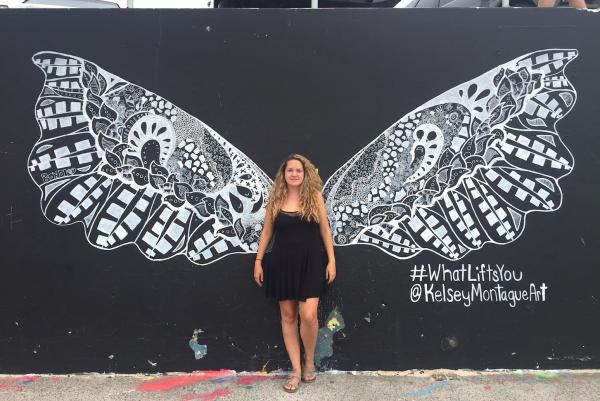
[[289, 318], [308, 311], [289, 314], [308, 317]]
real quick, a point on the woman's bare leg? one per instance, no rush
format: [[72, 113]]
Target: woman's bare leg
[[572, 3], [289, 328], [309, 328], [577, 3]]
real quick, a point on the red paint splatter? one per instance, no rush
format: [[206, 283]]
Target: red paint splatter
[[250, 379], [17, 383], [487, 387], [171, 382], [220, 392]]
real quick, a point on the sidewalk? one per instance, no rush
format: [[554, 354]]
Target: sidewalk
[[227, 385]]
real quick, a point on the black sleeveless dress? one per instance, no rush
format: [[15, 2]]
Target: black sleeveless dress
[[295, 267]]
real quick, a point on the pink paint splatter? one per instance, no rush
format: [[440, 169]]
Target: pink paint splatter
[[17, 383], [250, 379], [171, 382], [220, 392]]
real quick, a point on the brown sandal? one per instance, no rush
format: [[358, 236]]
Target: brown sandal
[[291, 384], [309, 375]]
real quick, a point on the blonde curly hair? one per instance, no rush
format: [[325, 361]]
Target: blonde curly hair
[[310, 190]]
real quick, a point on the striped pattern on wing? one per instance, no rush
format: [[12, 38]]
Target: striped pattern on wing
[[465, 168], [136, 169]]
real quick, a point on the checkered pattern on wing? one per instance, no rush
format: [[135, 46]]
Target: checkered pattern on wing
[[122, 217], [504, 162], [59, 109], [459, 213], [166, 232], [66, 149], [205, 247], [391, 239], [526, 190], [78, 199], [431, 230], [501, 222], [135, 169], [56, 158]]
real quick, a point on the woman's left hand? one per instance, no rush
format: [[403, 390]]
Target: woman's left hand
[[330, 272]]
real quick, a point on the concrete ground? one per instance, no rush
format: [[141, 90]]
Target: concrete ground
[[231, 386]]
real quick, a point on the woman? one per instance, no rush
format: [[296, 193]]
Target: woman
[[296, 272]]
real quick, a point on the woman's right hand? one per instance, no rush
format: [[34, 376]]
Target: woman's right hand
[[258, 273]]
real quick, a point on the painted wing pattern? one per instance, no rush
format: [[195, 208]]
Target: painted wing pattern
[[462, 170], [136, 169]]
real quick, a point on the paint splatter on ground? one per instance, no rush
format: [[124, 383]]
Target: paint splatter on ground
[[222, 379], [428, 390], [545, 375], [16, 384], [220, 392], [252, 379], [332, 385], [530, 377], [333, 324], [200, 350], [171, 382]]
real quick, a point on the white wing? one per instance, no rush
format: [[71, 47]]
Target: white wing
[[135, 169], [465, 168]]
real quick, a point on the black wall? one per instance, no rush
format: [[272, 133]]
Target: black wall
[[324, 84]]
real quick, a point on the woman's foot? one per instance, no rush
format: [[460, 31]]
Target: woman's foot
[[292, 383], [309, 374]]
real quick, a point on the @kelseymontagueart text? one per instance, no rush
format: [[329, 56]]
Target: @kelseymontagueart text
[[473, 283]]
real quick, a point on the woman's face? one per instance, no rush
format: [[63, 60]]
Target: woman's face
[[294, 173]]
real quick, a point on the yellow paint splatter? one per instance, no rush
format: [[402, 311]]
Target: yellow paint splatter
[[333, 323]]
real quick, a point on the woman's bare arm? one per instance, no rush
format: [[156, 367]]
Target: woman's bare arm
[[265, 235], [263, 242], [327, 240]]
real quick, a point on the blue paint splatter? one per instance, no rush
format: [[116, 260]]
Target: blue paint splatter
[[222, 379], [200, 350], [428, 390], [333, 324]]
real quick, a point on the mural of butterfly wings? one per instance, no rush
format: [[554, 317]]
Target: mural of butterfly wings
[[135, 169], [462, 170]]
